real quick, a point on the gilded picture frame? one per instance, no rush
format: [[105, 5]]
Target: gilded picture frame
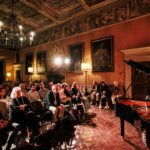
[[29, 63], [102, 54], [41, 66], [76, 57]]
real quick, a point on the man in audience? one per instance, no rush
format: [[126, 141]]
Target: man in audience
[[23, 89], [95, 95], [52, 103], [43, 91], [116, 92], [33, 95]]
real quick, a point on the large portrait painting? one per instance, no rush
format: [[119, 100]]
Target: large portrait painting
[[29, 64], [102, 55], [76, 55], [41, 62]]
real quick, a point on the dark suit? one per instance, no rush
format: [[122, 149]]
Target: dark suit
[[50, 100], [26, 117]]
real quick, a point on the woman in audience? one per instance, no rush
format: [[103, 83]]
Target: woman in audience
[[76, 100], [4, 98], [22, 113]]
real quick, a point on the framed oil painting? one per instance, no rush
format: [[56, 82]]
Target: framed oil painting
[[29, 64], [102, 54], [41, 62], [76, 56]]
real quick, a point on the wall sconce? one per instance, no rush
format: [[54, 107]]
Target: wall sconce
[[86, 67]]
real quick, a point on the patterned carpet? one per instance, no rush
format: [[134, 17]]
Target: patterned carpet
[[102, 132], [99, 131]]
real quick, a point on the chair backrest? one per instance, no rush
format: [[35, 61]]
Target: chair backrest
[[4, 109]]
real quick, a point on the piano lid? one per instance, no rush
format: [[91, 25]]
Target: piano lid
[[138, 66]]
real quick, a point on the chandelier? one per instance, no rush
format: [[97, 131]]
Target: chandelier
[[12, 35]]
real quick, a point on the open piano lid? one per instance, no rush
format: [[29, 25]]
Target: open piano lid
[[138, 66]]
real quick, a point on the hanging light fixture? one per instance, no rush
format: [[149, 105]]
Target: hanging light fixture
[[12, 35]]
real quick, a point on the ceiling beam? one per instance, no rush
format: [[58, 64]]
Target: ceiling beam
[[43, 9], [66, 9], [84, 5], [20, 17], [102, 4], [45, 28]]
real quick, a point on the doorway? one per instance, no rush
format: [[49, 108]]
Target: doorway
[[2, 71], [18, 75], [141, 82]]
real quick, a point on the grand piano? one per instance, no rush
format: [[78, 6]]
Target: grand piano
[[135, 111]]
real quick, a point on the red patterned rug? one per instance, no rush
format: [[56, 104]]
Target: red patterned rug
[[101, 131]]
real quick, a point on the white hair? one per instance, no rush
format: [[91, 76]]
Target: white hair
[[13, 93]]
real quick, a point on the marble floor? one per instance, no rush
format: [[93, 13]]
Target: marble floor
[[99, 131]]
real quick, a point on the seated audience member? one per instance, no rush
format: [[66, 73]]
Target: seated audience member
[[33, 95], [116, 92], [22, 114], [23, 89], [63, 97], [4, 96], [50, 84], [52, 103], [6, 99], [76, 100], [104, 93], [95, 95], [8, 89], [103, 101], [8, 132], [42, 91]]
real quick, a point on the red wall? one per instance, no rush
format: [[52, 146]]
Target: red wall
[[129, 34]]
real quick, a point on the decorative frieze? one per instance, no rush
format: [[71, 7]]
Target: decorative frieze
[[120, 11]]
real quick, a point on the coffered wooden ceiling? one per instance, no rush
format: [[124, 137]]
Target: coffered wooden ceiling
[[39, 15]]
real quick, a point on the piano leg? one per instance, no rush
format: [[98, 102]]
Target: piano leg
[[122, 127]]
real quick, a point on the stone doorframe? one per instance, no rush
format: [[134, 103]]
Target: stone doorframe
[[136, 54], [18, 67]]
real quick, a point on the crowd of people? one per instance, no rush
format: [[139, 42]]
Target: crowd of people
[[25, 101]]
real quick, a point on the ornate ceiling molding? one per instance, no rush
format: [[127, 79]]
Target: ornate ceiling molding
[[119, 12]]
